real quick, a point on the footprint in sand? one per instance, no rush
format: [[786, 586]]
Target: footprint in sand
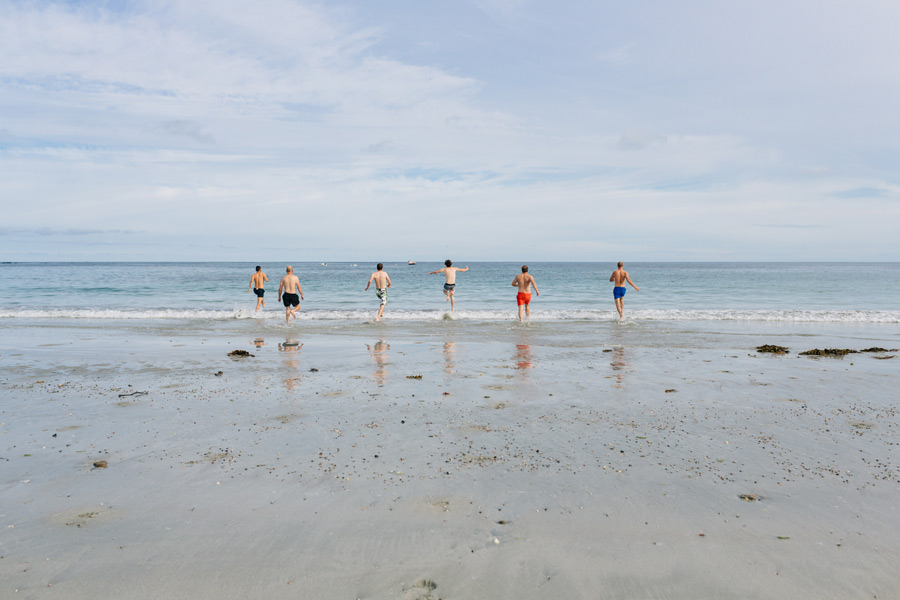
[[421, 590]]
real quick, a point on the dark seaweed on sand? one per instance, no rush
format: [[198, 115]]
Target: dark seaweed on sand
[[771, 348], [828, 352]]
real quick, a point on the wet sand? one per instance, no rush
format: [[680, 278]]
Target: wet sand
[[520, 466]]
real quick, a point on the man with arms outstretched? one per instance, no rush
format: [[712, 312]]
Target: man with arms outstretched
[[449, 272], [524, 281], [619, 277], [257, 284], [382, 283], [291, 286]]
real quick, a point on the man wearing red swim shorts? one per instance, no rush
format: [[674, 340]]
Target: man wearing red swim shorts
[[524, 281]]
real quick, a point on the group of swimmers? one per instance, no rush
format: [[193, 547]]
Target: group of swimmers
[[290, 293]]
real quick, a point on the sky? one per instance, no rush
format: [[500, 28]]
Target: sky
[[518, 130]]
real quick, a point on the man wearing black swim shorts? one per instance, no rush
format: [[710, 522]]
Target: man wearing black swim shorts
[[257, 284], [291, 286]]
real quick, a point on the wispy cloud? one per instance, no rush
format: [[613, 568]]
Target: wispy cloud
[[188, 129], [49, 231]]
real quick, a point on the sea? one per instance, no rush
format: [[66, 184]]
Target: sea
[[688, 305], [201, 292]]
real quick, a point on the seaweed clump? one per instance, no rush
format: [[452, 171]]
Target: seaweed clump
[[772, 349], [239, 354], [828, 352], [878, 349]]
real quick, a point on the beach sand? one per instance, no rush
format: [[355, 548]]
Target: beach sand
[[531, 464]]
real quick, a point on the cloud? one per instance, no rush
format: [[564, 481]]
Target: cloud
[[188, 129], [863, 192], [636, 139], [49, 231], [519, 116]]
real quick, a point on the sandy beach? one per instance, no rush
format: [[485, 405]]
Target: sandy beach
[[390, 462]]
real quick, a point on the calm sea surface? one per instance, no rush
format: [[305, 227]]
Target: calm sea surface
[[796, 292]]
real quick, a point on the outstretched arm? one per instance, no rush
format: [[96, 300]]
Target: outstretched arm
[[466, 269], [300, 290], [613, 276], [250, 287], [388, 279], [371, 277], [280, 287], [534, 284], [628, 279], [436, 272]]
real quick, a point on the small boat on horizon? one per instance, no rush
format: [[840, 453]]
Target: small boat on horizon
[[412, 262]]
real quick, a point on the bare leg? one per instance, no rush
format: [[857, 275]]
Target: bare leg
[[528, 310], [380, 313], [446, 296], [258, 302], [287, 314], [452, 300], [520, 313], [620, 306]]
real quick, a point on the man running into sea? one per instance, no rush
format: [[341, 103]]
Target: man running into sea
[[382, 283], [619, 277], [524, 281], [449, 272], [291, 286], [257, 284]]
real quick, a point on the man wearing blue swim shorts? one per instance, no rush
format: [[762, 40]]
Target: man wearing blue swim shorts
[[619, 277]]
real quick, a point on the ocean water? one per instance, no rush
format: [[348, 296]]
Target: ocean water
[[570, 292]]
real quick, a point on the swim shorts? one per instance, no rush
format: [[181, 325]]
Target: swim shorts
[[382, 295], [259, 292], [618, 292], [523, 298], [449, 287], [290, 299]]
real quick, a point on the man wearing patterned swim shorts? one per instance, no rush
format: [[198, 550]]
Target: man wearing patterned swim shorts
[[382, 283]]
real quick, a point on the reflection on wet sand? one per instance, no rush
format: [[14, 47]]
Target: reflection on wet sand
[[291, 349], [524, 357], [379, 352], [450, 357], [619, 366], [258, 342]]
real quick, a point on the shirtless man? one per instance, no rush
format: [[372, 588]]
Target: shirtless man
[[524, 281], [449, 272], [291, 286], [619, 277], [257, 282], [382, 283]]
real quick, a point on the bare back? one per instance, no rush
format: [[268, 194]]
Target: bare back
[[259, 280], [290, 283], [380, 279], [450, 273], [523, 281]]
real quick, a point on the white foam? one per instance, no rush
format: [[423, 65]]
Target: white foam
[[552, 315]]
